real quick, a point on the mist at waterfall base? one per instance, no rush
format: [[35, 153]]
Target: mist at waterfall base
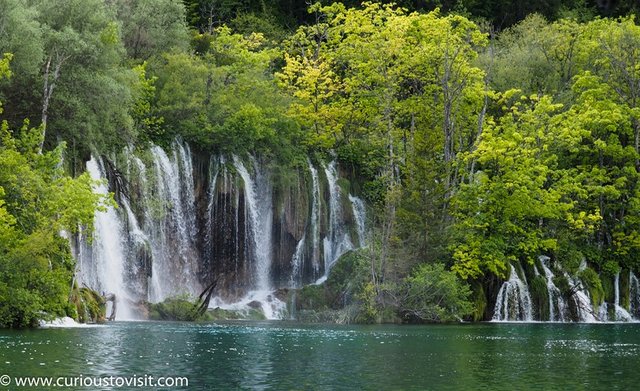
[[183, 221]]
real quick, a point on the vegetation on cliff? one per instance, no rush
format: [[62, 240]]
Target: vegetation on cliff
[[478, 136]]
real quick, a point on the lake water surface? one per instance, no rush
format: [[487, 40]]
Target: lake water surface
[[292, 356]]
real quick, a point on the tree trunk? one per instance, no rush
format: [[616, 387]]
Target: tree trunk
[[47, 91]]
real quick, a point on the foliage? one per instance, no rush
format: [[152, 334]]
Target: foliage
[[592, 282], [150, 27], [481, 133], [433, 294], [540, 297], [88, 306], [37, 202], [180, 308]]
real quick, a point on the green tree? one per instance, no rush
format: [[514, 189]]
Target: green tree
[[37, 202], [433, 294], [518, 197], [151, 27]]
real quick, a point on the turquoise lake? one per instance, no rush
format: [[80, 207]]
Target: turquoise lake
[[292, 356]]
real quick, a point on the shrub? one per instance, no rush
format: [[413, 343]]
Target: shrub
[[434, 294]]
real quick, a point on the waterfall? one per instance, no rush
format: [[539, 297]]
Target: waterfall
[[176, 231], [103, 266], [359, 213], [154, 257], [182, 156], [214, 167], [315, 218], [621, 314], [557, 305], [296, 264], [258, 203], [580, 296], [634, 295], [337, 241], [513, 302], [170, 223]]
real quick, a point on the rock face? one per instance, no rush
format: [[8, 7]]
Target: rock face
[[184, 220]]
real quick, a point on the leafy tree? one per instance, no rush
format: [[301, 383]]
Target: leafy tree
[[150, 27], [506, 211], [434, 294], [37, 202]]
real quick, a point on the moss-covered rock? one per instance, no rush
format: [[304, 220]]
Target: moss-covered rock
[[607, 287], [540, 298], [624, 289], [312, 297], [87, 306], [592, 282], [176, 308], [479, 298]]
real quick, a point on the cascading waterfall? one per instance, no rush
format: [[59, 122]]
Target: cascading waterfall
[[581, 300], [360, 213], [296, 263], [620, 313], [102, 266], [149, 255], [557, 305], [170, 217], [513, 302], [177, 230], [260, 211], [634, 296], [315, 218], [337, 242]]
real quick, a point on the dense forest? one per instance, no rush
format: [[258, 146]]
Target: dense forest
[[479, 133]]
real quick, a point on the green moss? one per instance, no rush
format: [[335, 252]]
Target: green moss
[[562, 284], [344, 185], [479, 298], [87, 306], [608, 287], [312, 297], [175, 308], [624, 288], [540, 297], [570, 253], [339, 299], [592, 282]]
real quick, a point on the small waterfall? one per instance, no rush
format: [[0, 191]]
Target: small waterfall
[[103, 266], [580, 297], [170, 187], [634, 296], [337, 242], [182, 156], [513, 302], [359, 213], [315, 218], [214, 167], [557, 305], [620, 313], [258, 203], [296, 264], [170, 224]]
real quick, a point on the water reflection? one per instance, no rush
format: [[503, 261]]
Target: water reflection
[[277, 355]]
